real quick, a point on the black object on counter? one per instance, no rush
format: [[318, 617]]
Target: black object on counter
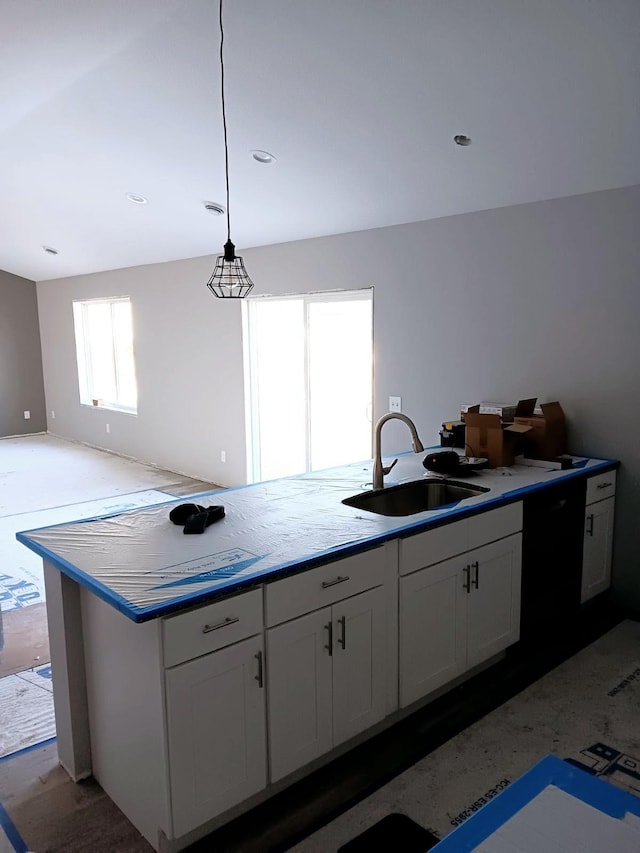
[[194, 517], [452, 434], [442, 462]]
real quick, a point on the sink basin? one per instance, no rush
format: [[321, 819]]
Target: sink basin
[[417, 496]]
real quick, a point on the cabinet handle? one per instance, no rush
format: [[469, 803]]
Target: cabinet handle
[[342, 641], [604, 485], [467, 582], [329, 646], [327, 584], [230, 620], [476, 582], [259, 677], [590, 523]]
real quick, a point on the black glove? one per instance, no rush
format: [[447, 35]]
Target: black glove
[[194, 517]]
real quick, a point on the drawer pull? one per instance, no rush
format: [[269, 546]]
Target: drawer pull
[[230, 620], [590, 523], [327, 584], [604, 485], [476, 582]]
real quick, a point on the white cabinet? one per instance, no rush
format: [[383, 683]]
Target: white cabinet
[[358, 664], [198, 712], [598, 535], [326, 679], [299, 692], [493, 599], [456, 614], [216, 732], [597, 549], [433, 633]]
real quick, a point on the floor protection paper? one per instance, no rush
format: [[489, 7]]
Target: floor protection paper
[[584, 711]]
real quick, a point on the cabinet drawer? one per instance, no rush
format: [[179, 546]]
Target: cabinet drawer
[[433, 546], [495, 524], [601, 486], [323, 585], [205, 629]]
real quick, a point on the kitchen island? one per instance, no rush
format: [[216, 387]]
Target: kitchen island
[[195, 676]]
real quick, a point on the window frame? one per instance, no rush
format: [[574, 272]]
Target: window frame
[[252, 428], [84, 355]]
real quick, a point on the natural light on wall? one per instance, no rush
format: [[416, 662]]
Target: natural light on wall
[[311, 379], [104, 348]]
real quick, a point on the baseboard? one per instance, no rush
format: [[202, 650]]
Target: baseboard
[[126, 456], [24, 434]]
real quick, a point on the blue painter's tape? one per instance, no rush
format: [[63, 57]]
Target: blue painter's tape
[[9, 829], [550, 771], [227, 584]]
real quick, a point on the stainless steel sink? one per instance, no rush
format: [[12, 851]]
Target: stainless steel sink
[[417, 496]]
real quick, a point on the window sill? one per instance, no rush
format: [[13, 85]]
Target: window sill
[[108, 407]]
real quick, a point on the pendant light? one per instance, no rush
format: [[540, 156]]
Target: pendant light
[[229, 278]]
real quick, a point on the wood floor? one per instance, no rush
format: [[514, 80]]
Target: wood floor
[[26, 639]]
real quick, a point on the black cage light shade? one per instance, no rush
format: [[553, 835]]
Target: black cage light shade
[[229, 279]]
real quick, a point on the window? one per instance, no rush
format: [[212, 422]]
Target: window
[[104, 347], [310, 371]]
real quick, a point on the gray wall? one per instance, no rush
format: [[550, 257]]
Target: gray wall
[[540, 299], [21, 382], [188, 353]]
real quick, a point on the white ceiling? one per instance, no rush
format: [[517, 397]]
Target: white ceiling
[[358, 99]]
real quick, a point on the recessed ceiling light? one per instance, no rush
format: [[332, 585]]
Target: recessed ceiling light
[[50, 250], [262, 156], [136, 199], [461, 139], [214, 208]]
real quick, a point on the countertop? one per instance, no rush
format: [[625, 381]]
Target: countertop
[[142, 564]]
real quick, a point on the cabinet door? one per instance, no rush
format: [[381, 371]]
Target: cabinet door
[[493, 614], [299, 692], [432, 629], [216, 732], [359, 686], [598, 538]]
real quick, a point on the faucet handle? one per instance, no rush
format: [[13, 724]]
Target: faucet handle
[[386, 470]]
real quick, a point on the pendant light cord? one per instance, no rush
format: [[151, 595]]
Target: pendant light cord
[[224, 124]]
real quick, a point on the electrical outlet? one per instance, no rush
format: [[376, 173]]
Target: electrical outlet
[[53, 415], [395, 404], [108, 428], [27, 415], [223, 455]]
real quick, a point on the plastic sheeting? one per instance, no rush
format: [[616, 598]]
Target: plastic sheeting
[[145, 566]]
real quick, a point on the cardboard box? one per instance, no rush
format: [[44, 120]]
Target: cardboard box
[[488, 437], [548, 436], [507, 411]]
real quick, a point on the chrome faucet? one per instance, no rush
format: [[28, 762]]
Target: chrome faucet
[[379, 470]]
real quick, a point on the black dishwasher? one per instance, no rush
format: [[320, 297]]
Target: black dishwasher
[[552, 537]]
